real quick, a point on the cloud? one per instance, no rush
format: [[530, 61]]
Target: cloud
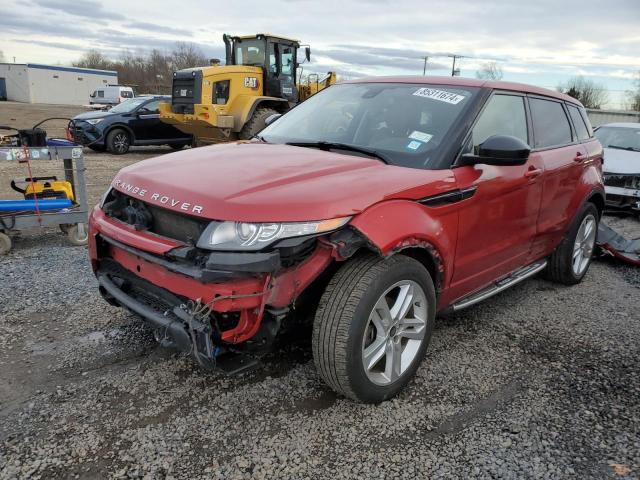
[[146, 26], [90, 9], [380, 57], [542, 42]]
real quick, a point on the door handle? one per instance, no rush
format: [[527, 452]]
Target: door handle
[[533, 172], [579, 157]]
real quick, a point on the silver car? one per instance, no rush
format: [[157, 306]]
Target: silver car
[[621, 142]]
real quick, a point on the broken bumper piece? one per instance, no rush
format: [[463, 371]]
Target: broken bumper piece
[[620, 247]]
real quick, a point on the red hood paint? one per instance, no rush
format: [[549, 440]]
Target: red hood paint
[[257, 182]]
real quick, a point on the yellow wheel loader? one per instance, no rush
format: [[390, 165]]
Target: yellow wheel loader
[[222, 103]]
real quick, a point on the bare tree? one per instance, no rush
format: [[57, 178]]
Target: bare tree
[[187, 55], [94, 59], [591, 94], [147, 73], [490, 71], [634, 95]]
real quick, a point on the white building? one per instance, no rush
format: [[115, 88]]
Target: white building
[[35, 83]]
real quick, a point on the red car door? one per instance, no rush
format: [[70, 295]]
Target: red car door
[[497, 224], [557, 147]]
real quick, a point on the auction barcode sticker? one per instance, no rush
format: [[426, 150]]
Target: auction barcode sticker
[[439, 95]]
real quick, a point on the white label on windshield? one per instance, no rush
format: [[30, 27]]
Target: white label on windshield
[[423, 137], [439, 95]]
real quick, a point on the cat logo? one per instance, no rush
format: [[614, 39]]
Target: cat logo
[[251, 82]]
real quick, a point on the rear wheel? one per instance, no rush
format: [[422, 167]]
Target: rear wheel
[[373, 326], [256, 123], [118, 141], [178, 146], [570, 261], [5, 243]]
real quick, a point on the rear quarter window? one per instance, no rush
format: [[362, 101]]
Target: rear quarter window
[[578, 123], [551, 126]]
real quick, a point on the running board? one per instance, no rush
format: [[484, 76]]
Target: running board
[[500, 285]]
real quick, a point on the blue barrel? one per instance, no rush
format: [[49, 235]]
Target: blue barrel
[[30, 205]]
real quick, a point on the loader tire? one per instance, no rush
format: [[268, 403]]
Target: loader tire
[[256, 123]]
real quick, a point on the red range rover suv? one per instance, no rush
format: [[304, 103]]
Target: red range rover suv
[[370, 208]]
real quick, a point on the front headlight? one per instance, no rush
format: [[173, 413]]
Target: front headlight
[[104, 197], [255, 236], [94, 121]]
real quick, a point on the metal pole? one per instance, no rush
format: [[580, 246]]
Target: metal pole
[[453, 67], [424, 70]]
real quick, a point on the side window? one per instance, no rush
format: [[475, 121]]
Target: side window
[[286, 60], [152, 107], [578, 122], [273, 65], [100, 93], [550, 124], [503, 115], [587, 122]]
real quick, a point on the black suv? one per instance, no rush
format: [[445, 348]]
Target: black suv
[[132, 122]]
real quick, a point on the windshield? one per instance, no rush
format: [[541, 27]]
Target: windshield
[[406, 124], [250, 52], [128, 106], [625, 138]]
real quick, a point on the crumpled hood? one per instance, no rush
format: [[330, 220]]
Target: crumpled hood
[[257, 182], [621, 161]]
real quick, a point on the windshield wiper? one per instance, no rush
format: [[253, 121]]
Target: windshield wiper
[[342, 146], [618, 147]]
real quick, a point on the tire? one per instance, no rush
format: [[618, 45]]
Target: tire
[[256, 123], [5, 243], [177, 146], [118, 141], [561, 267], [76, 236], [345, 328]]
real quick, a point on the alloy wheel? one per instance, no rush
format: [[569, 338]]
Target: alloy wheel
[[583, 245], [121, 142], [394, 333]]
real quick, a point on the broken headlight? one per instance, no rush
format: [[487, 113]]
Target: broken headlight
[[236, 236]]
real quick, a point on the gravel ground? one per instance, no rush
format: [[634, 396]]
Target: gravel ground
[[538, 382]]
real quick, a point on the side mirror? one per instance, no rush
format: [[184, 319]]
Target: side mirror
[[93, 95], [307, 53], [499, 150], [272, 118]]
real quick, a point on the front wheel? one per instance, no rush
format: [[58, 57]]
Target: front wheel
[[373, 326], [570, 261], [118, 141], [256, 123]]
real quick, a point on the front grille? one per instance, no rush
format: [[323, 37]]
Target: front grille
[[622, 181], [186, 91], [144, 216]]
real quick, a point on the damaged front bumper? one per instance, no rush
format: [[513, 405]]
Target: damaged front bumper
[[204, 307], [622, 191]]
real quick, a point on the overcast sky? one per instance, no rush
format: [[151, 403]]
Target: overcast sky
[[543, 42]]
